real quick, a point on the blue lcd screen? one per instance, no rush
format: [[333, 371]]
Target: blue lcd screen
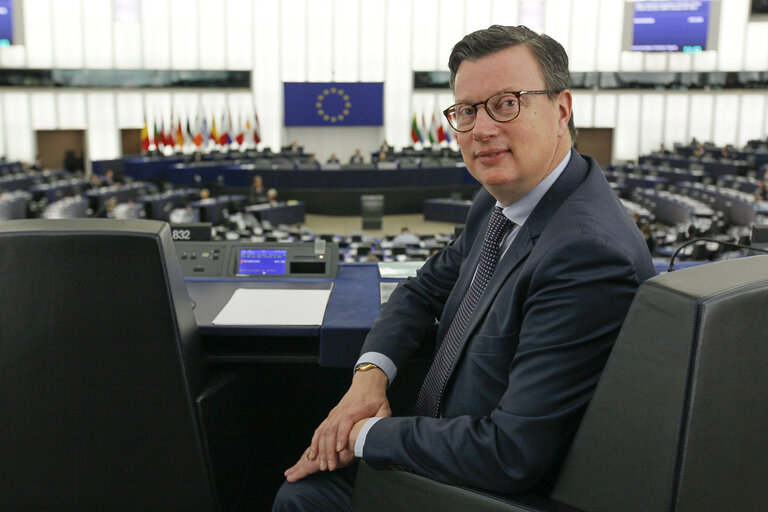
[[258, 262], [6, 23], [679, 26]]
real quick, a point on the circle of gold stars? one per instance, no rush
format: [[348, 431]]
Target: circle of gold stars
[[321, 111]]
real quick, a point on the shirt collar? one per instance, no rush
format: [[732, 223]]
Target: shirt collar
[[519, 211]]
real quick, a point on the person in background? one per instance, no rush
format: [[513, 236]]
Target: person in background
[[257, 194], [406, 238], [333, 159], [530, 298], [272, 196], [356, 158]]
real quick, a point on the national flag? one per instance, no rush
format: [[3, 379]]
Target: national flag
[[199, 127], [240, 137], [179, 134], [188, 137], [224, 138], [214, 131], [415, 133], [157, 137], [168, 135], [432, 132], [256, 128], [145, 137], [441, 134], [424, 131]]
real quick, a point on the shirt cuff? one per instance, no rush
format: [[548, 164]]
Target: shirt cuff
[[382, 361], [360, 442]]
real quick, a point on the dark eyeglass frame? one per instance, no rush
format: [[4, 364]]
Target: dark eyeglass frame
[[453, 108]]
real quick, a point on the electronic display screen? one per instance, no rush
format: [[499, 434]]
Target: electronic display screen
[[6, 23], [256, 262], [687, 26], [671, 26]]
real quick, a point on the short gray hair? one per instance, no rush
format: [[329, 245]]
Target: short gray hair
[[550, 55]]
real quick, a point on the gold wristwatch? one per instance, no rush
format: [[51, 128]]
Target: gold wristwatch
[[364, 367]]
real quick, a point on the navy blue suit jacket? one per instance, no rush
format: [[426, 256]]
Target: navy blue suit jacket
[[535, 346]]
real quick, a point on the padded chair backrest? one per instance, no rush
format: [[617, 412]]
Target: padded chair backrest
[[679, 420], [99, 368]]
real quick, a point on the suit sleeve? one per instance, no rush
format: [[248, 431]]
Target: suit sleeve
[[574, 305], [409, 315]]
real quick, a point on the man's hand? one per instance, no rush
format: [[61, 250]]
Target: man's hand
[[366, 397], [305, 467]]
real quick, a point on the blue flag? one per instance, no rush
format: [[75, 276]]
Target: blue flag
[[334, 104]]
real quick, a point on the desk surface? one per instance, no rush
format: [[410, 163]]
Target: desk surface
[[352, 308]]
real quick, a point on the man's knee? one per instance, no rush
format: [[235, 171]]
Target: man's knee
[[321, 492]]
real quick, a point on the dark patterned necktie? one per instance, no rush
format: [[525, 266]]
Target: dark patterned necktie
[[428, 401]]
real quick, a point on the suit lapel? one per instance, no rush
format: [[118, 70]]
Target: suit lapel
[[573, 175]]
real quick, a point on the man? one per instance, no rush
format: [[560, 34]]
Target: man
[[520, 353]]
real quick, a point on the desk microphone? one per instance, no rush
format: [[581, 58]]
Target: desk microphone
[[721, 242]]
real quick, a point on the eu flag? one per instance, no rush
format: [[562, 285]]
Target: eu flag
[[334, 103]]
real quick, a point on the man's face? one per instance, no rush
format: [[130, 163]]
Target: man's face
[[511, 158]]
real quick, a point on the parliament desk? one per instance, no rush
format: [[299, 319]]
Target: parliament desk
[[447, 210], [293, 212], [324, 192], [297, 373]]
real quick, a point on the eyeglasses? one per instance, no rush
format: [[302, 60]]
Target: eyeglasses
[[502, 107]]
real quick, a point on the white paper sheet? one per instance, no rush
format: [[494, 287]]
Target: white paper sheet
[[274, 307]]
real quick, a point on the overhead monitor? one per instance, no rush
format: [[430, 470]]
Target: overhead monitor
[[688, 26], [11, 25]]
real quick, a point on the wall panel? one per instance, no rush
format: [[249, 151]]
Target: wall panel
[[346, 36], [239, 34], [398, 78], [212, 36], [477, 15], [97, 34], [651, 122], [155, 32], [38, 36], [450, 26], [320, 39], [583, 109], [557, 22], [751, 115], [102, 135], [725, 121], [185, 34], [756, 47], [733, 19], [627, 135], [293, 40], [701, 116], [609, 35], [17, 127], [71, 110], [423, 30], [267, 74], [676, 115], [584, 35], [605, 110], [43, 111], [67, 32], [371, 41], [505, 12], [130, 110]]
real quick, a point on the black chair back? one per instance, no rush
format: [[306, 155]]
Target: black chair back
[[100, 365], [679, 418]]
